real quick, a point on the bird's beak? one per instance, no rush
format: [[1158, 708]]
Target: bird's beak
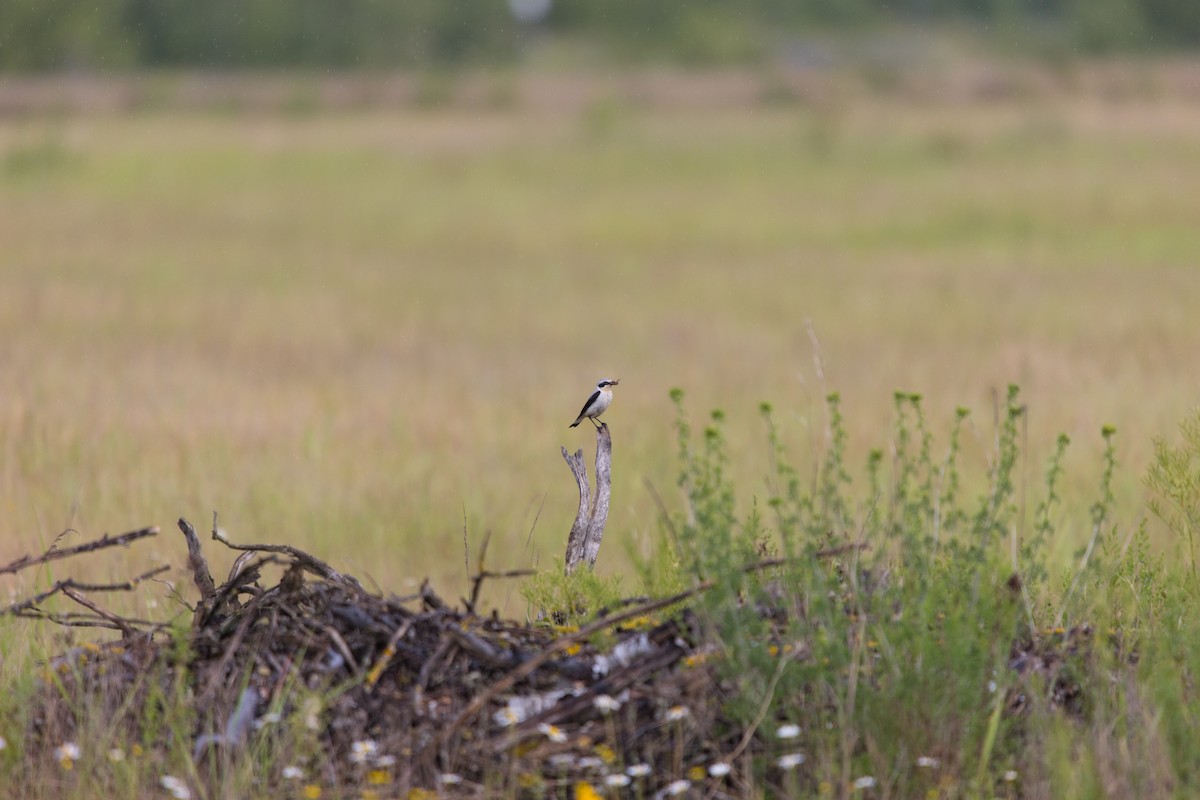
[[615, 381]]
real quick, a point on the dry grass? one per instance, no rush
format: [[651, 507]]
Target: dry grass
[[351, 330]]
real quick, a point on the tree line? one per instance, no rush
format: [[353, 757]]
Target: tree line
[[114, 34]]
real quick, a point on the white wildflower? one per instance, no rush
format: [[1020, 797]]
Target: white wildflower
[[606, 704], [1010, 776], [3, 743], [385, 761], [449, 779], [293, 773], [676, 713], [590, 762], [788, 731], [719, 769], [505, 718], [638, 770], [68, 752], [928, 763], [865, 782], [363, 751], [552, 732], [676, 788], [790, 761], [176, 786], [617, 780]]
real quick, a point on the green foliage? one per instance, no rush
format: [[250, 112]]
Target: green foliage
[[908, 619], [1175, 478], [571, 600], [49, 34]]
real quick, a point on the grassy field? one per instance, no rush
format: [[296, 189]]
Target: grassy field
[[358, 331], [362, 328]]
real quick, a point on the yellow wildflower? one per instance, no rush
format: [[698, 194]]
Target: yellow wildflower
[[584, 791]]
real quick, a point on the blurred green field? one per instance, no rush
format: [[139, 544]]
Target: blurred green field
[[358, 331]]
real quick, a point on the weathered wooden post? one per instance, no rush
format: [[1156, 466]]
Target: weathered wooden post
[[583, 544]]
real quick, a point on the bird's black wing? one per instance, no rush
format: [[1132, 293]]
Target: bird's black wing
[[589, 402]]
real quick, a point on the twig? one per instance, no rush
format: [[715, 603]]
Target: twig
[[342, 647], [74, 621], [228, 591], [310, 562], [389, 652], [418, 697], [124, 626], [98, 544], [69, 583], [479, 579]]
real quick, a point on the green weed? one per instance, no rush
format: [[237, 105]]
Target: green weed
[[911, 634]]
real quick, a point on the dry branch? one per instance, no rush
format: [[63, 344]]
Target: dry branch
[[583, 543], [123, 626], [30, 604], [54, 553], [201, 575], [309, 562]]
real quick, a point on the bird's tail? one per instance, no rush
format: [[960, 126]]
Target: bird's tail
[[575, 423]]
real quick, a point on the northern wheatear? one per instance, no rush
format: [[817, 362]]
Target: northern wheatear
[[598, 403]]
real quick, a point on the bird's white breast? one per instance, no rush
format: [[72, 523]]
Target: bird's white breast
[[602, 402]]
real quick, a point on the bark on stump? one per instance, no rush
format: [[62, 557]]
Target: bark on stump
[[583, 544]]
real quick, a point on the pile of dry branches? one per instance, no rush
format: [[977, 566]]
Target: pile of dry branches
[[454, 701]]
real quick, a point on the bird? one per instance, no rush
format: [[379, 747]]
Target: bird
[[598, 403]]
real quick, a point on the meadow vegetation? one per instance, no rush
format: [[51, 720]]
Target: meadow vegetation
[[364, 333]]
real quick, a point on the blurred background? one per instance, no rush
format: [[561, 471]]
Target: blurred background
[[344, 272]]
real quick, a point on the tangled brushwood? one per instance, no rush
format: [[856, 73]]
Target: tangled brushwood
[[442, 698]]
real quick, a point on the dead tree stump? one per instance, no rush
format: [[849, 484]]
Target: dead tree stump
[[583, 543]]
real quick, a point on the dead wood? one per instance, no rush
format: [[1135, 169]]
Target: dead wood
[[29, 606], [583, 542], [54, 552], [302, 559]]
